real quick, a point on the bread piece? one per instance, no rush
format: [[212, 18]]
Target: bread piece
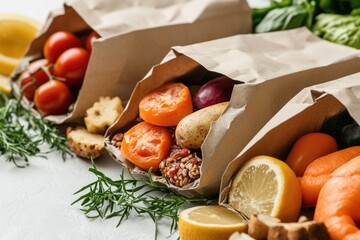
[[83, 143], [103, 114]]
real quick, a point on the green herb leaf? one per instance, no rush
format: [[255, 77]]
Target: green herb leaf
[[22, 133], [107, 198]]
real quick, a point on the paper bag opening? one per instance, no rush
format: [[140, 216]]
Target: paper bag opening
[[135, 37], [252, 103], [306, 113]]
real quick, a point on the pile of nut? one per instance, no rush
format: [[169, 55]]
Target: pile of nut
[[181, 167]]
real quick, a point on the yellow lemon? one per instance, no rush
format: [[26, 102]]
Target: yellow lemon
[[209, 223], [5, 85], [16, 34], [266, 185]]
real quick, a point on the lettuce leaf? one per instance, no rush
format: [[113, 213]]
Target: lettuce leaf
[[342, 29]]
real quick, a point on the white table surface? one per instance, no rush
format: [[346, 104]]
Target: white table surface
[[35, 201]]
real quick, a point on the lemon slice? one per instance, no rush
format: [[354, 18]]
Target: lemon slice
[[209, 223], [5, 85], [266, 185], [16, 34]]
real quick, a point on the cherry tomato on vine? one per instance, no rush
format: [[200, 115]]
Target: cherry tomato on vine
[[58, 43], [92, 37], [166, 105], [53, 98], [83, 40], [34, 77], [71, 65], [308, 148], [146, 145]]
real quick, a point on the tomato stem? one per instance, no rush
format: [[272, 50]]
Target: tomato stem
[[46, 70]]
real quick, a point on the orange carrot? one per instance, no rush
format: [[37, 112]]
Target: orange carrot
[[338, 204], [341, 227], [308, 148], [319, 171]]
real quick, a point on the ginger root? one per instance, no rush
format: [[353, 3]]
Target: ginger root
[[240, 236], [270, 228]]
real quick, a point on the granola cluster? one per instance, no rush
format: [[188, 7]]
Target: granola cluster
[[181, 167]]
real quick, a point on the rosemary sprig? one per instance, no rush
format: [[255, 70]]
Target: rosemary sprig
[[107, 198], [49, 133], [22, 133]]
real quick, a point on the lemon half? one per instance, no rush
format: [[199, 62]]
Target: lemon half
[[209, 223], [268, 186], [5, 85], [16, 34]]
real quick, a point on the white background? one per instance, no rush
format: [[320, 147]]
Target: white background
[[39, 9], [35, 201]]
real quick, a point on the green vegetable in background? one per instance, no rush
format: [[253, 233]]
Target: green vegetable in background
[[337, 6], [259, 13], [342, 29], [298, 15]]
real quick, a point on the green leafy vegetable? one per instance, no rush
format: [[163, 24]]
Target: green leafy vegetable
[[337, 6], [329, 25], [22, 133], [355, 12], [107, 198], [342, 29], [258, 14], [297, 15]]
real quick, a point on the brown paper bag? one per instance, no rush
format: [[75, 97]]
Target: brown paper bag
[[305, 113], [272, 66], [135, 36]]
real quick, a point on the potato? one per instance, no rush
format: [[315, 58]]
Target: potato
[[191, 131]]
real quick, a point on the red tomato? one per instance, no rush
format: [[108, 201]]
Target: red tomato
[[146, 145], [307, 148], [53, 98], [34, 77], [166, 105], [58, 43], [83, 40], [92, 37], [71, 65]]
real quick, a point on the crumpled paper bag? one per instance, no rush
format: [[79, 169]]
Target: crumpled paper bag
[[305, 113], [135, 35], [273, 67]]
